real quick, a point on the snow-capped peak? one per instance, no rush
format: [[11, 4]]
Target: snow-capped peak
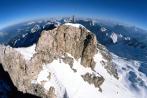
[[114, 37]]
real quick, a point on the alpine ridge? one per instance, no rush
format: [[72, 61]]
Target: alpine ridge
[[65, 62]]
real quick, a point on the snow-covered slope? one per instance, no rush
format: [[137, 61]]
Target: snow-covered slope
[[68, 81], [74, 25], [64, 79], [130, 75]]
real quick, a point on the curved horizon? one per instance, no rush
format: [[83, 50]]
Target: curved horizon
[[124, 11]]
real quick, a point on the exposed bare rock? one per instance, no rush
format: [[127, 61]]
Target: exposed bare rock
[[21, 71], [37, 90], [108, 64], [97, 81], [54, 44], [68, 60], [78, 42], [14, 63], [51, 93]]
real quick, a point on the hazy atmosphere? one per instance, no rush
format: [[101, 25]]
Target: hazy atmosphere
[[126, 11]]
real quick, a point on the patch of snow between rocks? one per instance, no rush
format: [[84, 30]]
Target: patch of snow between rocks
[[27, 52], [76, 25], [63, 78]]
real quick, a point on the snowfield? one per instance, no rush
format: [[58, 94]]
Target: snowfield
[[130, 75], [131, 83], [74, 25], [64, 79]]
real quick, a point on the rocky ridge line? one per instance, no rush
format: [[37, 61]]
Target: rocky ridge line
[[53, 44]]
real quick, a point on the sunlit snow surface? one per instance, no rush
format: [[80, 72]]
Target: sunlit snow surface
[[64, 79], [130, 75], [74, 25], [27, 52], [131, 84]]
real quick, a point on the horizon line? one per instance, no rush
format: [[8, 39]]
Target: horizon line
[[116, 22]]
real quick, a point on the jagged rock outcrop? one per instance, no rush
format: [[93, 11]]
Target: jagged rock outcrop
[[78, 42], [108, 64], [21, 71], [53, 44], [14, 63], [93, 79], [51, 93]]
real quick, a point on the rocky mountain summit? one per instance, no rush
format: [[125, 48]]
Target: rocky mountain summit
[[73, 57], [78, 42], [66, 62], [68, 43]]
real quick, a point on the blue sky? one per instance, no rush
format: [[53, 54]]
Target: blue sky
[[127, 11]]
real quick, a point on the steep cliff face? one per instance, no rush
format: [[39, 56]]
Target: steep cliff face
[[15, 65], [68, 43], [78, 42]]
